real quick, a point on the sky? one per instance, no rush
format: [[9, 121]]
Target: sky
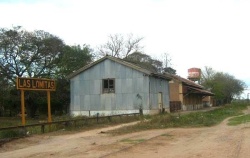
[[194, 33]]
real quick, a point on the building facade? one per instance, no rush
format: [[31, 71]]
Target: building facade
[[112, 86], [188, 94]]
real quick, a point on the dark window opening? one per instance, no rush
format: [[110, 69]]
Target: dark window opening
[[108, 85]]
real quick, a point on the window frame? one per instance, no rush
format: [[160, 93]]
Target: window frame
[[110, 87]]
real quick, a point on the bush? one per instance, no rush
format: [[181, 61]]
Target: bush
[[12, 133]]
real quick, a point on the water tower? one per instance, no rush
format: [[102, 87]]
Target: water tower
[[194, 74]]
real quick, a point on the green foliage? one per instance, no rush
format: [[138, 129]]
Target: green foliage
[[193, 119], [10, 102], [11, 134], [239, 120], [133, 141], [37, 54], [225, 87], [73, 58], [26, 54], [76, 124], [170, 70], [31, 54], [145, 61]]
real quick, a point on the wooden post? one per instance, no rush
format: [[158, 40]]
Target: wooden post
[[49, 107], [42, 128], [29, 84], [97, 117], [75, 123], [23, 107], [141, 111], [109, 118]]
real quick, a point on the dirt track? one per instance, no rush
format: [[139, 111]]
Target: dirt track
[[218, 141]]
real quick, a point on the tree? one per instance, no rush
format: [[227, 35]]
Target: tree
[[145, 61], [27, 54], [207, 76], [73, 58], [117, 46], [31, 54], [167, 64], [225, 87], [4, 91], [170, 70]]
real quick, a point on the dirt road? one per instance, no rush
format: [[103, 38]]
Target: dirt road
[[218, 141]]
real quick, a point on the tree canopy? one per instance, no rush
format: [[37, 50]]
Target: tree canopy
[[30, 54], [225, 86], [73, 58], [145, 61], [37, 54]]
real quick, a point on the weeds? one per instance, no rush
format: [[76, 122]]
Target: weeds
[[239, 120], [12, 134], [76, 124], [194, 119]]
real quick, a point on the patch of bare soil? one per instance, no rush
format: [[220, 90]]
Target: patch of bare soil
[[218, 141]]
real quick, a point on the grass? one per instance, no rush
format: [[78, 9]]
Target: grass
[[85, 124], [133, 141], [167, 135], [194, 119], [15, 121], [161, 121], [239, 120]]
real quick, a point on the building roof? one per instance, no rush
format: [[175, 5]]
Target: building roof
[[120, 61], [187, 82], [196, 88], [200, 91]]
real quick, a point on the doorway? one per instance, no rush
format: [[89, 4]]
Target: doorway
[[160, 102]]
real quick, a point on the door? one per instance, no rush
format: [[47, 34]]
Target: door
[[160, 102]]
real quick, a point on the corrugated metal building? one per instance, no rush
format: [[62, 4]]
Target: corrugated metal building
[[112, 86]]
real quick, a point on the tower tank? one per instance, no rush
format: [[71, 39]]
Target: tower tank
[[194, 74]]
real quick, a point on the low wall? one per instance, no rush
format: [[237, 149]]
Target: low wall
[[113, 112], [192, 107]]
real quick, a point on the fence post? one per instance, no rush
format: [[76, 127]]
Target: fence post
[[23, 130], [42, 128], [67, 123], [141, 111], [97, 117], [75, 123], [86, 121], [109, 118]]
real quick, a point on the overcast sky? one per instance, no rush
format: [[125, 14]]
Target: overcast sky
[[195, 33]]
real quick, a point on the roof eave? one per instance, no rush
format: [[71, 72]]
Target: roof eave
[[161, 76]]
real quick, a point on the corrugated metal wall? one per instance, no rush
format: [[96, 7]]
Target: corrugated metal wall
[[159, 85], [86, 88], [131, 90]]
